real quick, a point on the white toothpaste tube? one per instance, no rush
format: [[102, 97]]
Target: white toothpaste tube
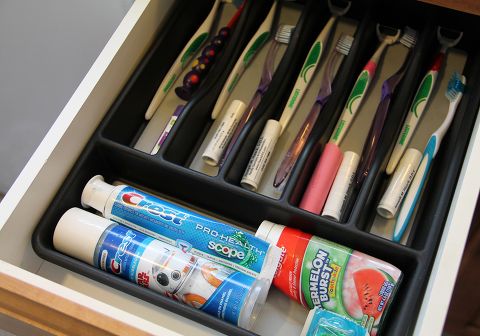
[[334, 207], [186, 229], [224, 133], [399, 184], [213, 288]]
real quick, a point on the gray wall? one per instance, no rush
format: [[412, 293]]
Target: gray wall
[[46, 48]]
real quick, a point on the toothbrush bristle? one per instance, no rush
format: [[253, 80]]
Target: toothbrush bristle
[[409, 37], [284, 32], [456, 85], [344, 44]]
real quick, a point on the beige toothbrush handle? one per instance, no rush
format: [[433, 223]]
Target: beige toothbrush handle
[[306, 74], [255, 44], [183, 59]]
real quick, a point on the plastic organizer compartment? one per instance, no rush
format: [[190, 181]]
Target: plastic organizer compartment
[[110, 151]]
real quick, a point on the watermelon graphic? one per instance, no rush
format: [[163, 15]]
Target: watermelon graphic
[[369, 283]]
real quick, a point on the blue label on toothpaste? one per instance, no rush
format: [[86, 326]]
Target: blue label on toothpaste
[[190, 231], [326, 323], [213, 288], [227, 301], [120, 250]]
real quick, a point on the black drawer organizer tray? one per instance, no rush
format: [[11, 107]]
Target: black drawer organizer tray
[[110, 152]]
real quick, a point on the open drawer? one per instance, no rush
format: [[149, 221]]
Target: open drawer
[[38, 184]]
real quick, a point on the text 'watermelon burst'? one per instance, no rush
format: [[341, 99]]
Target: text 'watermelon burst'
[[332, 276]]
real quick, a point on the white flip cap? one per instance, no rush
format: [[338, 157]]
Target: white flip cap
[[398, 186], [224, 133], [96, 193], [78, 232], [343, 180], [270, 232]]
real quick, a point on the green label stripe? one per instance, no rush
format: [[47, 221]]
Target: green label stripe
[[193, 47], [358, 90], [259, 42], [233, 83], [294, 98], [338, 130], [311, 61], [423, 93], [404, 134], [170, 83]]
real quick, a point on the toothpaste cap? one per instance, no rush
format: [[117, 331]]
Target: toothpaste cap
[[78, 232], [96, 193], [270, 232]]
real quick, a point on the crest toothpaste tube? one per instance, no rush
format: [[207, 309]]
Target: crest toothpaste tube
[[191, 232], [213, 288], [319, 273]]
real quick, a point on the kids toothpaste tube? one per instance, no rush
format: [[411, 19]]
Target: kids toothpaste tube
[[213, 288], [319, 273], [189, 231], [322, 322]]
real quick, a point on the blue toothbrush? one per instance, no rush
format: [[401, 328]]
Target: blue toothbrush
[[454, 94]]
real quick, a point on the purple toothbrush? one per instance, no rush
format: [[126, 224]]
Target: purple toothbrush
[[342, 49], [408, 39], [282, 36]]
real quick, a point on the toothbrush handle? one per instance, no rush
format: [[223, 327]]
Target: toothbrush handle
[[256, 43], [257, 98], [322, 178], [370, 148], [297, 145], [202, 65], [306, 73], [354, 101], [414, 191], [237, 72], [415, 113], [183, 59]]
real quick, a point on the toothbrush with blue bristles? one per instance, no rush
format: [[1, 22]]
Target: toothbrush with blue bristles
[[454, 93]]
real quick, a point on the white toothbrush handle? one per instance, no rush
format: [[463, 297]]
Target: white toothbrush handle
[[256, 43], [413, 194], [183, 59], [416, 110], [306, 74], [353, 102]]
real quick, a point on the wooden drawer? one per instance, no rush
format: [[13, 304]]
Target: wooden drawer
[[71, 301]]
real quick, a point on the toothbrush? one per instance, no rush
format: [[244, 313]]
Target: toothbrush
[[273, 129], [256, 43], [201, 66], [454, 93], [421, 100], [310, 65], [176, 114], [282, 36], [408, 39], [190, 49], [327, 167], [342, 49]]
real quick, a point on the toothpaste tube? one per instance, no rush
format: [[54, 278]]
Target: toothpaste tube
[[215, 289], [319, 273], [188, 230]]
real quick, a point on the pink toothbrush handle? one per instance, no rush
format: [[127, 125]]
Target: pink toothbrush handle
[[322, 179]]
